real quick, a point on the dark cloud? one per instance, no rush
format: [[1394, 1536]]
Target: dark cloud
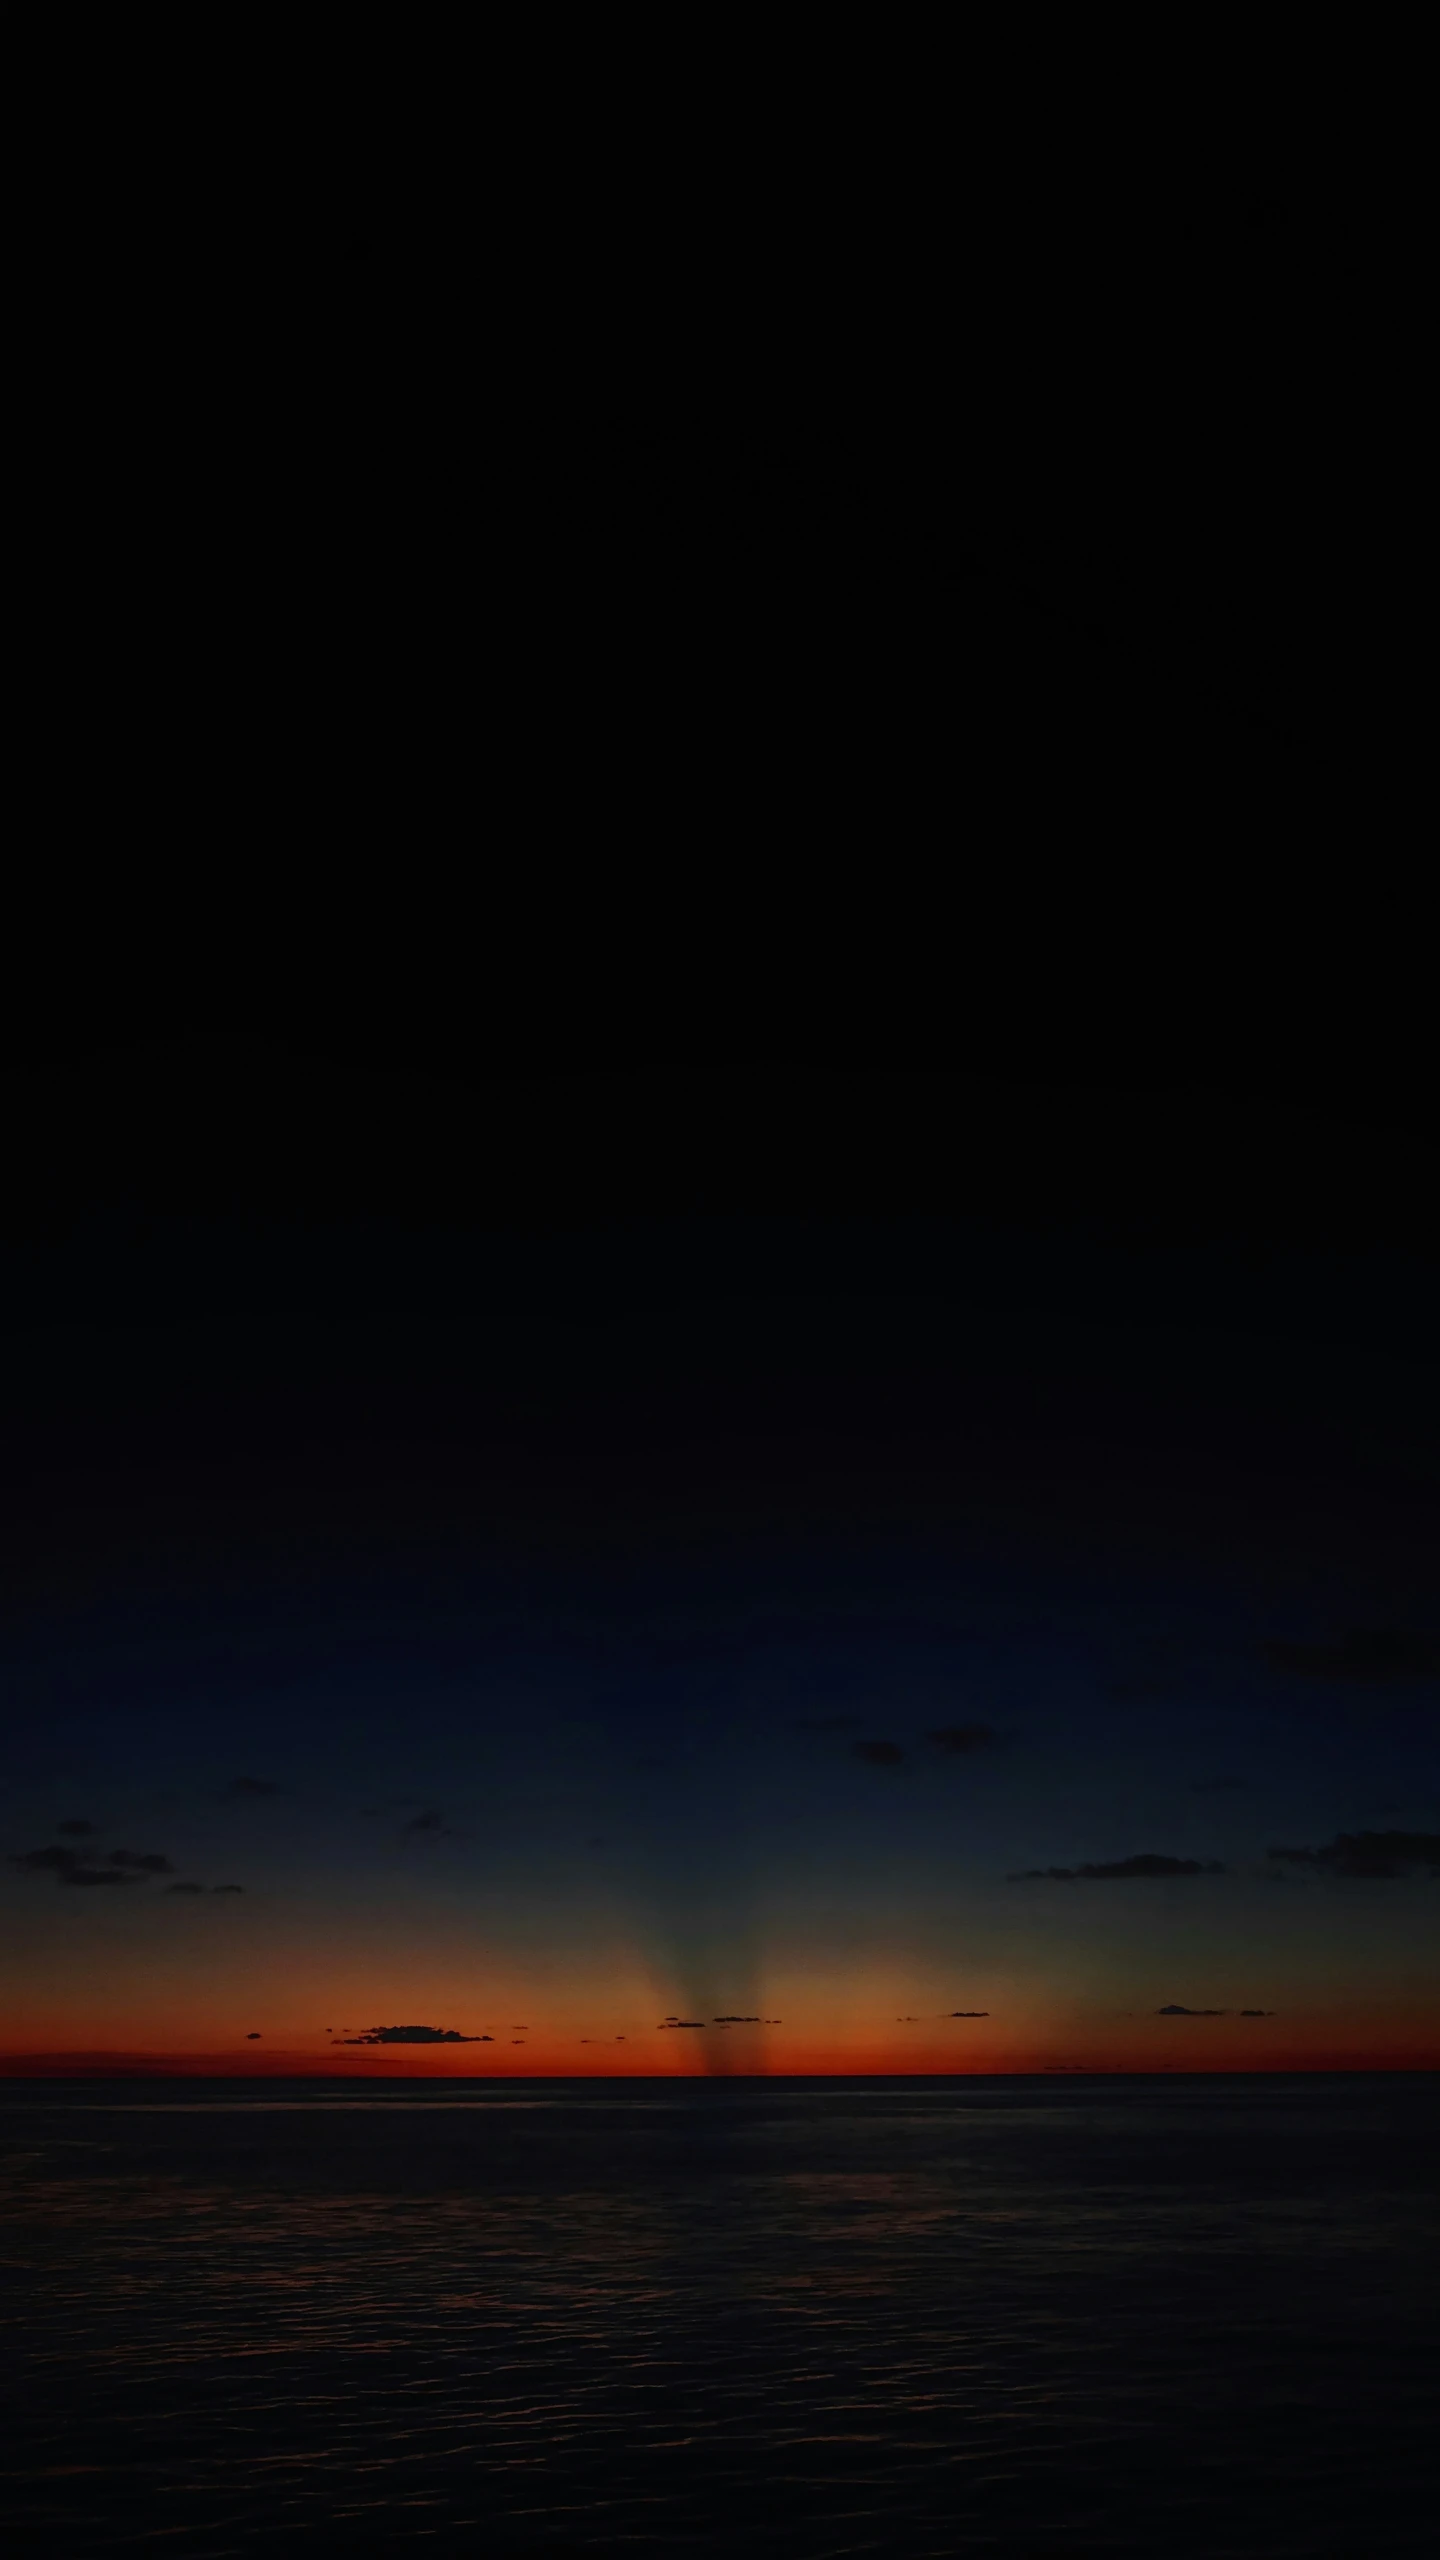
[[680, 2022], [184, 1888], [241, 1788], [254, 2036], [76, 1830], [1362, 1653], [1257, 2013], [1174, 2009], [143, 1862], [415, 2035], [227, 1888], [1120, 1870], [68, 1867], [1215, 1786], [960, 1738], [907, 2022], [735, 2022], [1370, 1853], [881, 1755], [430, 1824], [969, 2013]]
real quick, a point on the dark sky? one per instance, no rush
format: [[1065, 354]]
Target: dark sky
[[825, 1547], [898, 1523]]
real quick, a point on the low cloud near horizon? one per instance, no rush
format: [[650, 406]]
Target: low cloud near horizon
[[1120, 1870], [1377, 1854], [414, 2035], [77, 1867]]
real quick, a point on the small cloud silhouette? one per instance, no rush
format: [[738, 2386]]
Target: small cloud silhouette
[[1257, 2013], [962, 1738], [241, 1789], [254, 2036], [735, 2022], [143, 1862], [969, 2013], [76, 1830], [1384, 1854], [1362, 1653], [70, 1868], [1120, 1870], [680, 2022], [415, 2035], [234, 1888], [1174, 2009], [184, 1888], [881, 1755]]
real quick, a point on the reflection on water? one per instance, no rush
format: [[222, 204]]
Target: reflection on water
[[1089, 2317]]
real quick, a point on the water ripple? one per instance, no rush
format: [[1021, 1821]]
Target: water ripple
[[821, 2323]]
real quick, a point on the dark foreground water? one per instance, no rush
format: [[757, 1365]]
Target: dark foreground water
[[793, 2317]]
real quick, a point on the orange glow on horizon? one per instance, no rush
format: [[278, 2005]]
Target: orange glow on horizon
[[600, 2020]]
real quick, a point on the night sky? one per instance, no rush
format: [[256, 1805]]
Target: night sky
[[701, 1571]]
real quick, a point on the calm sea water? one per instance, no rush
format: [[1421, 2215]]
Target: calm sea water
[[1198, 2316]]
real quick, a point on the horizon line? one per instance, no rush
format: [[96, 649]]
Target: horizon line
[[24, 2067]]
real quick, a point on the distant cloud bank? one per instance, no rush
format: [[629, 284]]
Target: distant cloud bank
[[1369, 1853], [1120, 1870]]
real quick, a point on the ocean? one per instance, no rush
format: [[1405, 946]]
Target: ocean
[[808, 2318]]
